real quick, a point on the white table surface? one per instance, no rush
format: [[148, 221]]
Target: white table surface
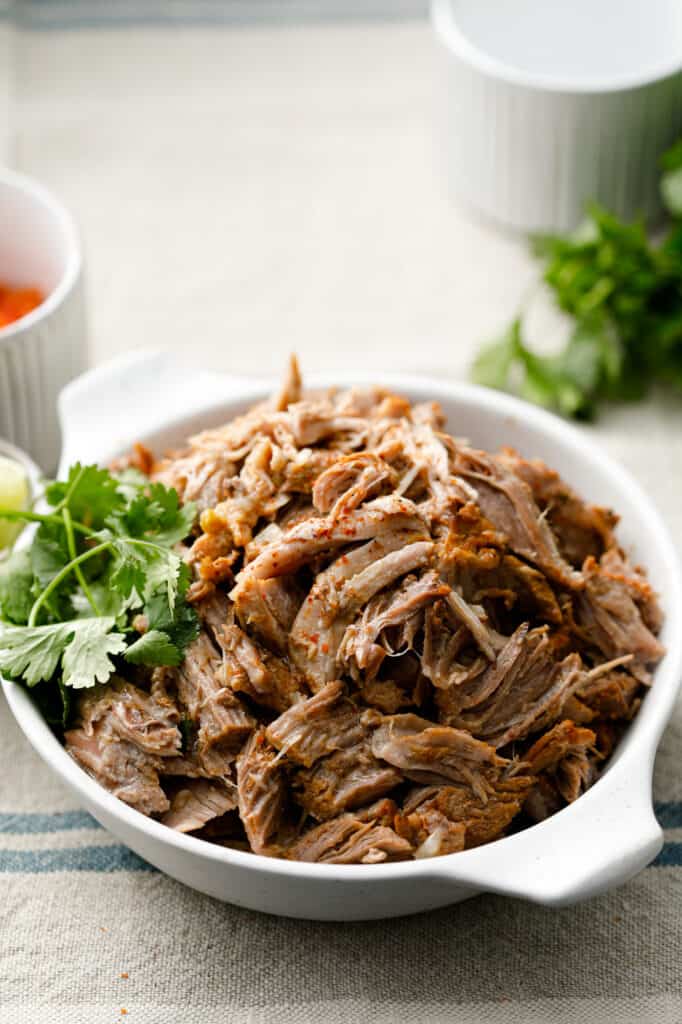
[[247, 191]]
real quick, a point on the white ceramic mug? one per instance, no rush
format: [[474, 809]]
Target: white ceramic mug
[[550, 103], [44, 350]]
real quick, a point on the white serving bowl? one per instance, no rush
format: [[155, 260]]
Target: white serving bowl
[[547, 104], [598, 842], [44, 350]]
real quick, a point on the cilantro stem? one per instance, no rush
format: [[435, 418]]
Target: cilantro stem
[[136, 542], [71, 545], [24, 515], [62, 574], [72, 487]]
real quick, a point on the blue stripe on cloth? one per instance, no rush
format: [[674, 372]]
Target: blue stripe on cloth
[[669, 857], [84, 858], [669, 814], [58, 821], [120, 858]]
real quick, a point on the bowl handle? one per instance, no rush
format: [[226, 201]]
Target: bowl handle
[[112, 405], [599, 842]]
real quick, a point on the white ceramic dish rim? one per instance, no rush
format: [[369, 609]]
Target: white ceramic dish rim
[[482, 867], [72, 269], [445, 23]]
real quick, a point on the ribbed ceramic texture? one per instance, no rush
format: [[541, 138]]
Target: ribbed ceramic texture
[[531, 158], [35, 364]]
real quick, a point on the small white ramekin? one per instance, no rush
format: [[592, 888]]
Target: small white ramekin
[[44, 350], [527, 148]]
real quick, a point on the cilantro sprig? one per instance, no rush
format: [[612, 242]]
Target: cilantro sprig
[[623, 292], [102, 562]]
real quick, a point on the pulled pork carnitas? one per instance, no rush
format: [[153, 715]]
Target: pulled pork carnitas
[[408, 646]]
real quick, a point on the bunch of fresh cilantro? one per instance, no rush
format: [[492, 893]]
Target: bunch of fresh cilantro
[[624, 294], [100, 583]]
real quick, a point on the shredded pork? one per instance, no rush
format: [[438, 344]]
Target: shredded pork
[[408, 646]]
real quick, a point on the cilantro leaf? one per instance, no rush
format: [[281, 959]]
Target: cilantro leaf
[[86, 659], [624, 293], [671, 179], [49, 553], [495, 362], [671, 191], [175, 521], [154, 648], [130, 481], [155, 513], [127, 571], [105, 548], [181, 623], [163, 570], [83, 646], [16, 587], [108, 601], [32, 653], [91, 494], [672, 158], [144, 567], [568, 381]]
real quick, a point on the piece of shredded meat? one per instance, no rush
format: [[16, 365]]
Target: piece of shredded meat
[[408, 646], [609, 619], [526, 687], [222, 721], [350, 840], [198, 802], [261, 791], [458, 816], [123, 737], [581, 530], [564, 761]]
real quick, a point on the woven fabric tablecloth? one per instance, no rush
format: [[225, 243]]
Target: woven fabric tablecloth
[[243, 192]]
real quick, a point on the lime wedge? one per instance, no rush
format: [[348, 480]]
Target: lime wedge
[[14, 494]]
